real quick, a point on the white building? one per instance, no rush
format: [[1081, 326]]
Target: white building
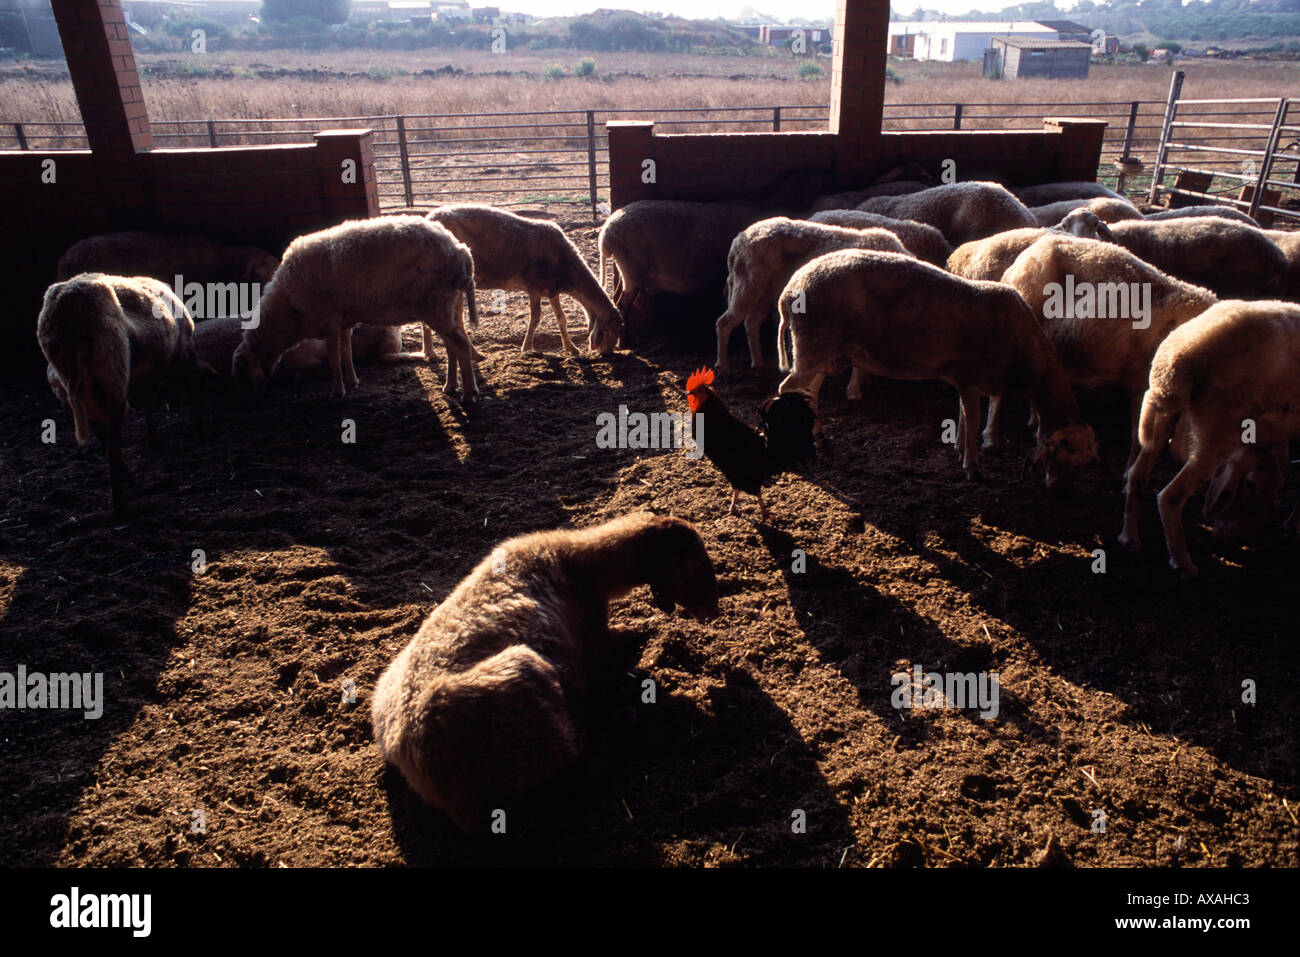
[[951, 40]]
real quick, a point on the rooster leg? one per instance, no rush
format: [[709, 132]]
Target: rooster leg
[[734, 495], [762, 507]]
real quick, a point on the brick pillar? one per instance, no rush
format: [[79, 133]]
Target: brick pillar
[[631, 143], [1080, 150], [858, 83], [102, 67], [348, 200]]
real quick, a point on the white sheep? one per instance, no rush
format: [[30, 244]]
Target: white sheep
[[479, 708], [988, 259], [764, 257], [1234, 374], [922, 241], [112, 343], [904, 319], [387, 271], [1045, 193], [1185, 212], [668, 246], [1104, 208], [961, 211], [514, 252], [849, 199], [1105, 312], [1235, 260], [164, 256]]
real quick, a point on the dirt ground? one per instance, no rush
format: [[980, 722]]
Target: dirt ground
[[1120, 691]]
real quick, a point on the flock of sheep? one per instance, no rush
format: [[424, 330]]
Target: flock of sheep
[[904, 280]]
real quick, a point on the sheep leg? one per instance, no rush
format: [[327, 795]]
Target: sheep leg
[[854, 390], [563, 320], [345, 358], [426, 341], [534, 320], [725, 325], [1200, 466], [451, 384], [990, 434], [333, 345], [1138, 474], [460, 351], [970, 433], [111, 435], [753, 326]]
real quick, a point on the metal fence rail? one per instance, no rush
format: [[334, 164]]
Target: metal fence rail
[[1259, 172], [513, 158]]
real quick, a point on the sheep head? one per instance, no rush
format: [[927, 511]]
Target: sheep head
[[1061, 455], [606, 330], [679, 571], [1243, 494], [1085, 225]]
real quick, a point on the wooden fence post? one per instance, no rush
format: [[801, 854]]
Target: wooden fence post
[[1132, 124], [591, 162], [956, 116], [1171, 107], [776, 119], [406, 162], [212, 133], [22, 137]]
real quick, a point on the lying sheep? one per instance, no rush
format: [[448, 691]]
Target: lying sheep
[[988, 259], [164, 256], [114, 343], [850, 199], [1100, 336], [1235, 260], [763, 258], [1289, 243], [1234, 367], [1045, 193], [905, 319], [923, 242], [1222, 212], [479, 708], [668, 246], [513, 252], [961, 211], [388, 272], [1104, 208]]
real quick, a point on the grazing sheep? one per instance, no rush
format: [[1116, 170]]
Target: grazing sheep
[[988, 259], [1046, 193], [923, 242], [961, 211], [1289, 243], [1235, 260], [1100, 332], [763, 258], [1222, 212], [668, 246], [164, 256], [514, 252], [1104, 208], [1233, 368], [479, 708], [386, 271], [905, 319], [110, 341]]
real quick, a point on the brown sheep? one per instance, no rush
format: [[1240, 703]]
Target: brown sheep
[[478, 709]]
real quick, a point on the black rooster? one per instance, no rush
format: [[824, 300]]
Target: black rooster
[[748, 457]]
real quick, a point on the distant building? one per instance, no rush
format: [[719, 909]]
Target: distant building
[[1026, 57], [952, 40], [486, 13], [1107, 45], [778, 36]]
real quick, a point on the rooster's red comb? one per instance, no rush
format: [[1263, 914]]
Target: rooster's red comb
[[698, 378]]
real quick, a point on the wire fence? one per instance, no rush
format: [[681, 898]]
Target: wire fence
[[519, 158]]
